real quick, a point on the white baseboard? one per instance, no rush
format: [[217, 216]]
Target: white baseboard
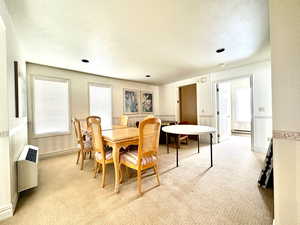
[[15, 201], [6, 211], [259, 149], [57, 153]]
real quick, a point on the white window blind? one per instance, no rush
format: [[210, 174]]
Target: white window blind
[[243, 105], [101, 104], [51, 106]]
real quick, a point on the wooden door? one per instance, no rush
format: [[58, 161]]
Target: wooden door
[[188, 103]]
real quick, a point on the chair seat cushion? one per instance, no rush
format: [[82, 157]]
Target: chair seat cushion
[[132, 157], [108, 155]]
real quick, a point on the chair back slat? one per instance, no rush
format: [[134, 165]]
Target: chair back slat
[[149, 131], [94, 127], [78, 133]]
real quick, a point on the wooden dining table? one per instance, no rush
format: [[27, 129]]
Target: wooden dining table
[[117, 139]]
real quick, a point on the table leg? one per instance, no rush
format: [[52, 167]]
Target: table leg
[[211, 154], [116, 157], [177, 146], [167, 142], [198, 144]]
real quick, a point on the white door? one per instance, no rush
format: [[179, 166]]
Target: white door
[[224, 110]]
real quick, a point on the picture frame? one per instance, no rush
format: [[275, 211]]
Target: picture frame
[[16, 81], [20, 92], [131, 101], [147, 105]]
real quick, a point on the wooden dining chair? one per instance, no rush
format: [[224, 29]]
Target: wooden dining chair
[[124, 120], [88, 122], [146, 156], [138, 122], [102, 157], [84, 146]]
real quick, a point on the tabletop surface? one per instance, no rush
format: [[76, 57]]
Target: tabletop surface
[[121, 134], [188, 129]]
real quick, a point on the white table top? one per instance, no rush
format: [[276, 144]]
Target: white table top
[[188, 129]]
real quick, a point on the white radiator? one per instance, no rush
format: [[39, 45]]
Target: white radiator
[[28, 168]]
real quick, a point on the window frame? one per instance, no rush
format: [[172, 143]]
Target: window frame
[[49, 78], [96, 84]]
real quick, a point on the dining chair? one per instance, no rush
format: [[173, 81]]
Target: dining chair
[[138, 122], [146, 156], [102, 157], [124, 120], [84, 145], [88, 122]]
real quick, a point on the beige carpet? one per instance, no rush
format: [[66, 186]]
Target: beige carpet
[[191, 194]]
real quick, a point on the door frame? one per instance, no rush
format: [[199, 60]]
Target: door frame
[[215, 86], [218, 110]]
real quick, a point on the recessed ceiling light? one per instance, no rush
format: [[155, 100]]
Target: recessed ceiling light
[[85, 61], [220, 50], [148, 75]]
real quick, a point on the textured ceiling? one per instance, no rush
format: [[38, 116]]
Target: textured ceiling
[[127, 39]]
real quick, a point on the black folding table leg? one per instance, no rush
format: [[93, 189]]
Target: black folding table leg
[[198, 143], [167, 142], [211, 154]]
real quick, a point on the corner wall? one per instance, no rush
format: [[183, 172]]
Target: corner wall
[[207, 100], [13, 131], [285, 42]]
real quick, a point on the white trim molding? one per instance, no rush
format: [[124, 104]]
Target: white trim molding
[[262, 117], [57, 153], [6, 211], [286, 135], [4, 133], [15, 201], [206, 116]]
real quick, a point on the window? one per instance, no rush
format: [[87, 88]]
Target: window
[[243, 105], [100, 99], [51, 114]]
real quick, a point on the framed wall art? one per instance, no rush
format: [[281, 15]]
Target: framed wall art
[[131, 101], [147, 101]]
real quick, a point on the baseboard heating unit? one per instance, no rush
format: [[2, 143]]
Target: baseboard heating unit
[[28, 168]]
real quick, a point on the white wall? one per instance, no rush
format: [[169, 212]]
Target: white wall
[[206, 98], [285, 42], [13, 131], [79, 103]]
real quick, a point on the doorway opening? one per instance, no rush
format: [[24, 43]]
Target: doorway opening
[[235, 109], [188, 104]]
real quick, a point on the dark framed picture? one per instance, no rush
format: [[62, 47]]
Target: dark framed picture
[[147, 102], [16, 77], [20, 92]]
